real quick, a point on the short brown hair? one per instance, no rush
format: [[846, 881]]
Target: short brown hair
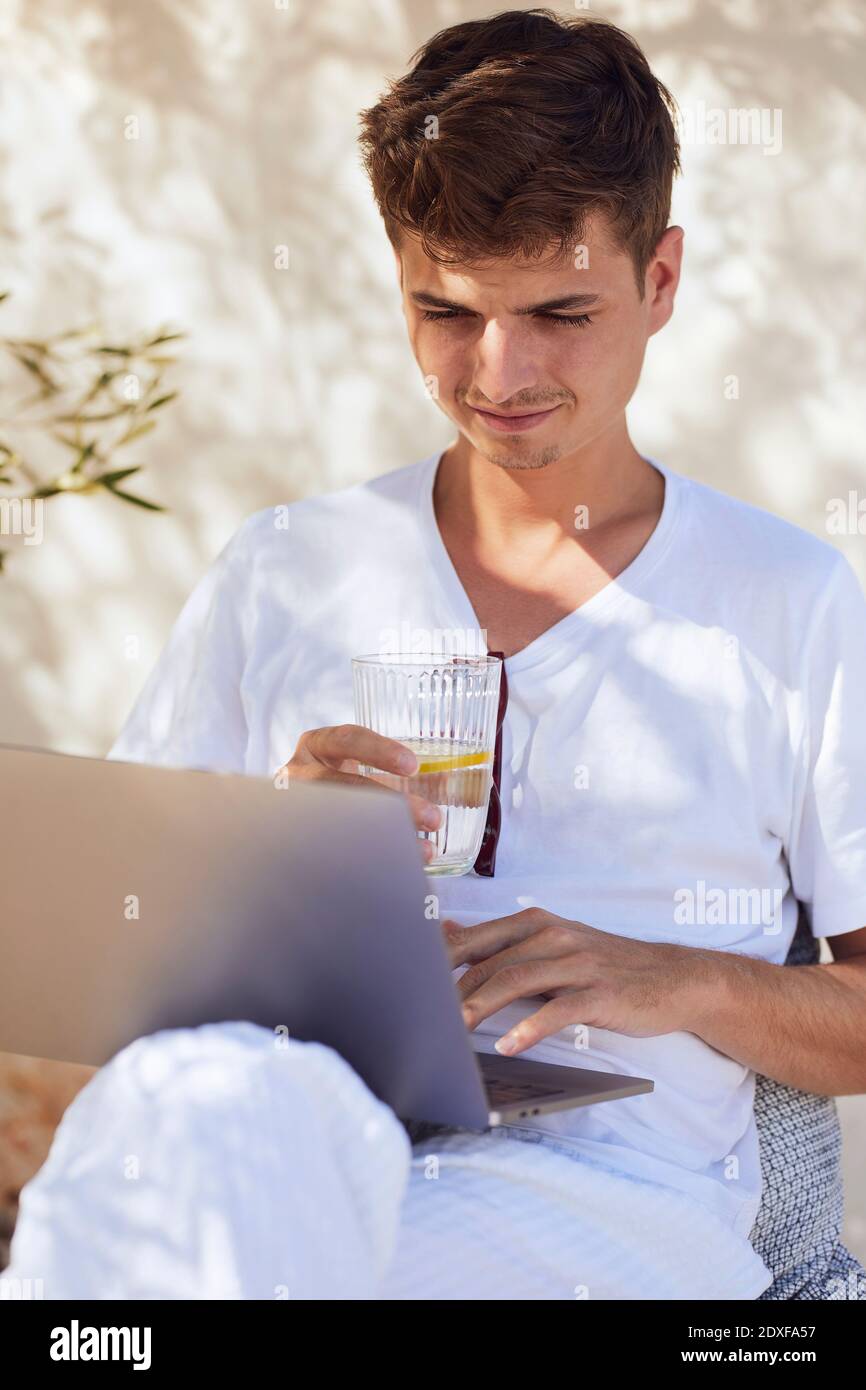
[[539, 121]]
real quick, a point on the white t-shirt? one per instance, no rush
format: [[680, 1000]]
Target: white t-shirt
[[692, 734]]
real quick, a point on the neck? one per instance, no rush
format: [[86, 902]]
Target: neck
[[495, 505]]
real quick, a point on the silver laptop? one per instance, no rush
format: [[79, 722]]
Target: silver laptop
[[135, 898]]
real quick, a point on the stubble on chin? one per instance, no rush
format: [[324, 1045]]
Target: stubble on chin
[[518, 463]]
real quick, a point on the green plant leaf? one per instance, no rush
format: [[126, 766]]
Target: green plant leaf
[[137, 501], [161, 400], [37, 370], [88, 451], [103, 381], [76, 418], [29, 345], [107, 479], [135, 430], [88, 328], [157, 360], [67, 440]]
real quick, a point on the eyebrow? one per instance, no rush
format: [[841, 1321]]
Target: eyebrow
[[568, 301]]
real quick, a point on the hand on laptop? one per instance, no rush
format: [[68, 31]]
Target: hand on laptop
[[334, 754], [587, 976]]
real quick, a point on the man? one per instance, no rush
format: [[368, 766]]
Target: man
[[683, 746]]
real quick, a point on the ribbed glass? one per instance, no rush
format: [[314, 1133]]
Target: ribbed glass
[[443, 708]]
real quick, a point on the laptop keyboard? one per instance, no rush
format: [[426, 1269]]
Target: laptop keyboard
[[507, 1092]]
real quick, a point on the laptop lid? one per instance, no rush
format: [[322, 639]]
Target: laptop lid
[[137, 897]]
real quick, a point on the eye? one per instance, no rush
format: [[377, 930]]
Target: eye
[[570, 320]]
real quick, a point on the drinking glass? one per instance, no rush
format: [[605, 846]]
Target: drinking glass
[[443, 708]]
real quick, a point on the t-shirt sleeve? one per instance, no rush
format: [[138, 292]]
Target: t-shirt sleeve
[[190, 711], [827, 845]]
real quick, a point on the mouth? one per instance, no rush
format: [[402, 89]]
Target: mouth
[[513, 424]]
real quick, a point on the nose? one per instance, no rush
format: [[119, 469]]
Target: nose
[[504, 363]]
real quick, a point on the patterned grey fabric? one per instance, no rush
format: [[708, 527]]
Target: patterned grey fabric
[[797, 1229]]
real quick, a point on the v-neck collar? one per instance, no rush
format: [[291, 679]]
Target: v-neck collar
[[568, 631]]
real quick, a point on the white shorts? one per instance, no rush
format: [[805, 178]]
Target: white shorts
[[222, 1162]]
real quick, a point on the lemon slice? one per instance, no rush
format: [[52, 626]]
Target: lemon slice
[[447, 762]]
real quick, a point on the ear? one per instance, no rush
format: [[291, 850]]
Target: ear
[[399, 262], [663, 277]]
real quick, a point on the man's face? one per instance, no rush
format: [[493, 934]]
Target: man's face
[[503, 341]]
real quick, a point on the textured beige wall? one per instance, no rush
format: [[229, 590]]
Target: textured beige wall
[[299, 380]]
